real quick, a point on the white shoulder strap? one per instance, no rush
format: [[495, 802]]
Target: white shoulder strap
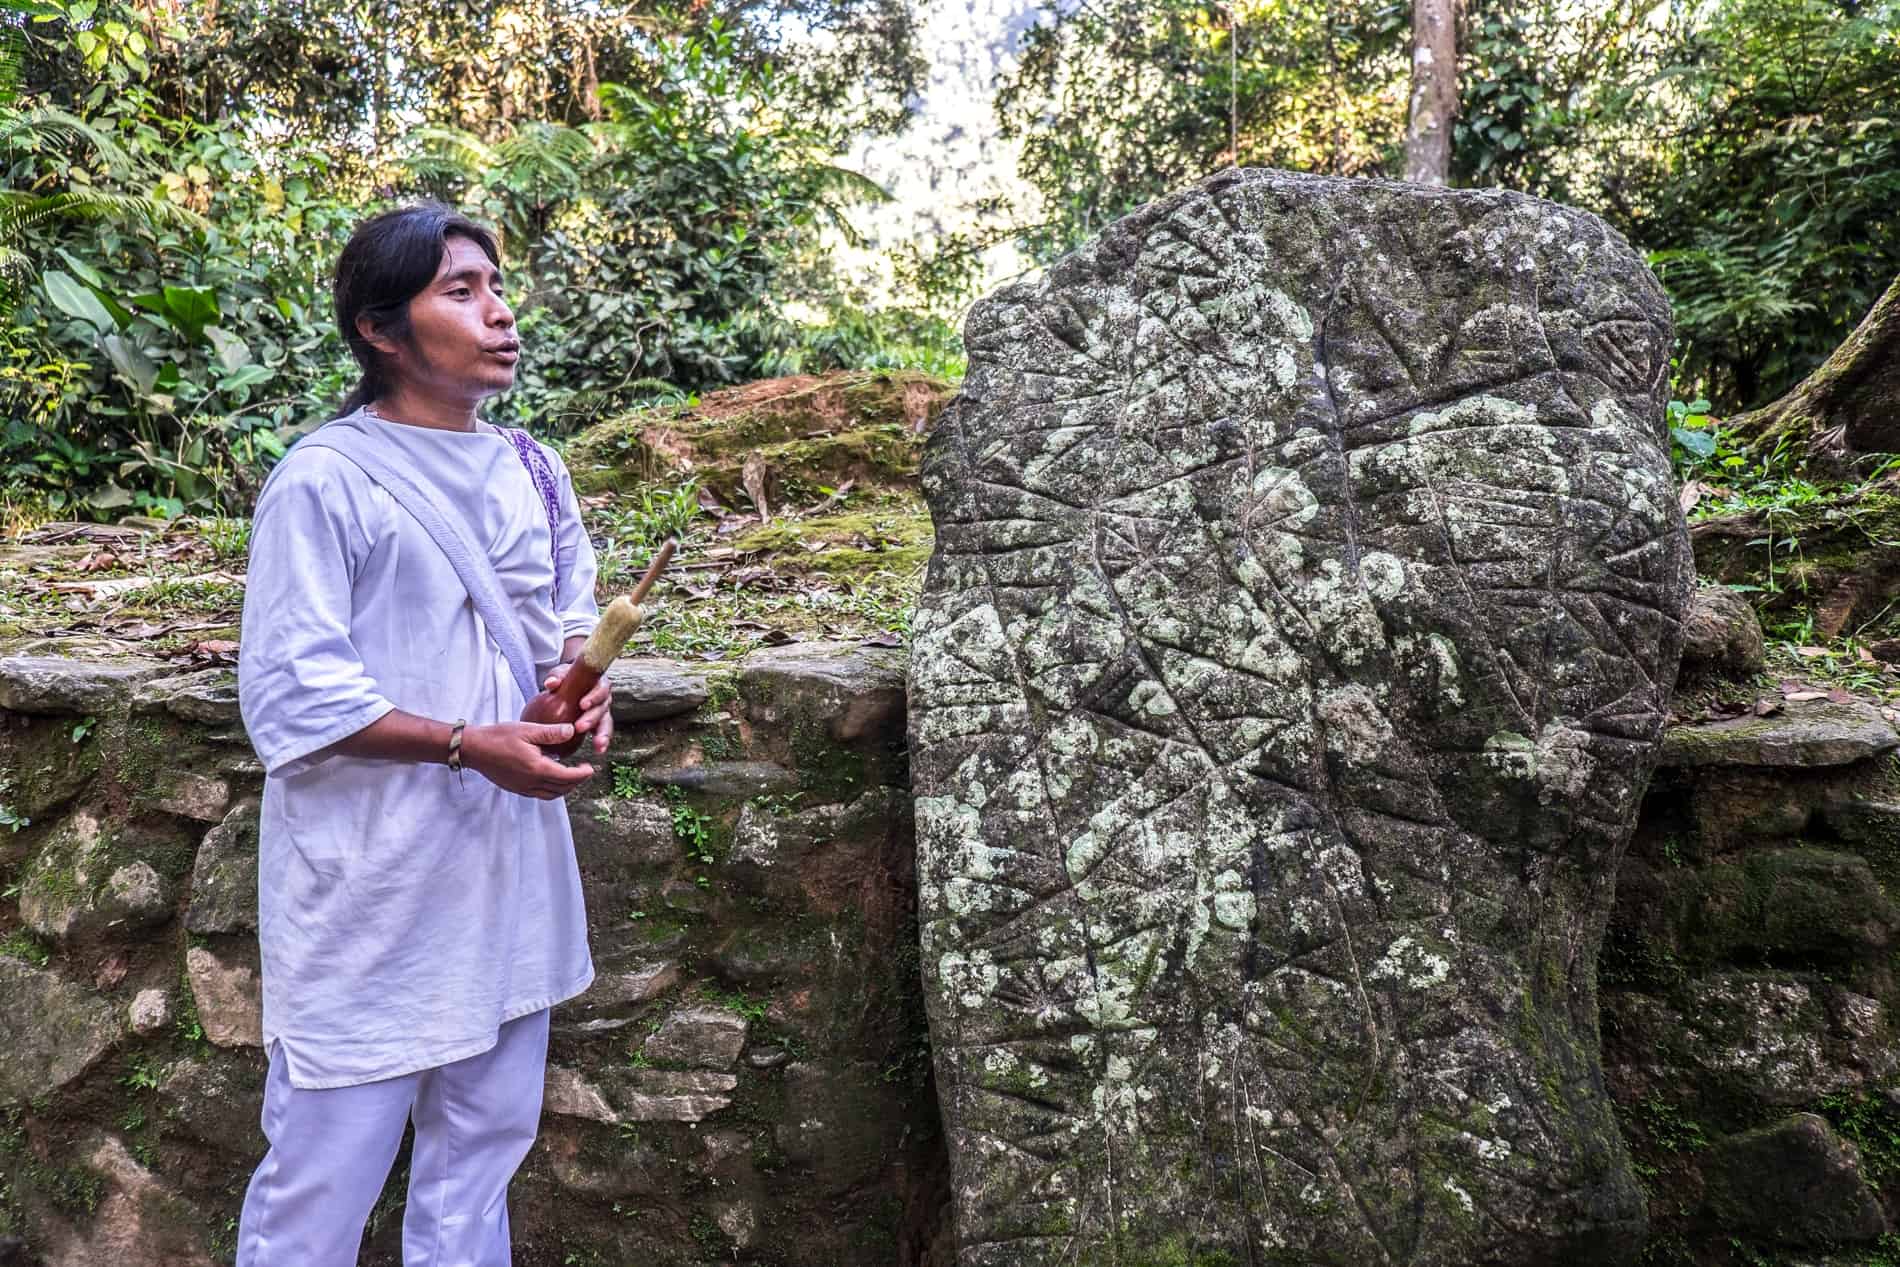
[[446, 528]]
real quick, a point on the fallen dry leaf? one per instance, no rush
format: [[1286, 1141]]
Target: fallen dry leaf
[[1766, 707], [1803, 696], [1691, 494], [1810, 652]]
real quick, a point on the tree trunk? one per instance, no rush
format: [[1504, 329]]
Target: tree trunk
[[1848, 408], [1434, 101]]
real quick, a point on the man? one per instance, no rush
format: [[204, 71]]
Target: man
[[419, 903]]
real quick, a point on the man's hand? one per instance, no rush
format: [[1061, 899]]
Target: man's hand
[[596, 707], [508, 754]]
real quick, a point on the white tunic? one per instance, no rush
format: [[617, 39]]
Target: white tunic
[[404, 913]]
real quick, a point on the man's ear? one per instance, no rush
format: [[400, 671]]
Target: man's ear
[[371, 335]]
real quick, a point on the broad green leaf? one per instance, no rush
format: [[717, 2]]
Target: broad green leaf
[[1699, 443], [190, 309], [232, 352], [245, 376], [111, 497], [86, 272], [130, 360], [75, 300]]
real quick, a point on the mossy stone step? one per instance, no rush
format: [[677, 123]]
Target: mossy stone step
[[1802, 734]]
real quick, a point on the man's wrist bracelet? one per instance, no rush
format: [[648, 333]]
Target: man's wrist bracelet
[[455, 744]]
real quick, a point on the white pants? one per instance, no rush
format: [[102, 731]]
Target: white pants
[[330, 1152]]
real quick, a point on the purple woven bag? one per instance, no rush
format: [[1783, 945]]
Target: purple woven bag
[[543, 476]]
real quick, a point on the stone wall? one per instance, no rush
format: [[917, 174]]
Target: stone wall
[[1748, 987], [748, 1080], [747, 1077]]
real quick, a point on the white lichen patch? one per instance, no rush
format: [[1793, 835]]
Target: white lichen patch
[[1410, 964], [969, 977]]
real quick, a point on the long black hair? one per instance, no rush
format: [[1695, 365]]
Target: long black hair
[[390, 259]]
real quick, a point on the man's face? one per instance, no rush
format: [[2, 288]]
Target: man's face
[[463, 344]]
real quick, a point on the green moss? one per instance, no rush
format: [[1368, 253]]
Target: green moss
[[895, 539], [721, 689], [807, 429], [70, 1189], [46, 767], [723, 744], [826, 768], [145, 745]]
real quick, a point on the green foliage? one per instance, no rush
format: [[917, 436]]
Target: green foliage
[[10, 819], [629, 782], [139, 1076], [168, 348], [168, 258], [22, 944], [692, 828], [1118, 102], [1669, 1127], [753, 1010], [1874, 1128], [891, 338], [1750, 146], [1769, 190], [655, 238], [1534, 82]]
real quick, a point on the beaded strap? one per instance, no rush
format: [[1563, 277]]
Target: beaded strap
[[543, 476]]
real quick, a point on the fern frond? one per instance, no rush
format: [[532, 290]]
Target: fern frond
[[845, 183], [469, 154], [44, 125], [21, 213], [545, 143]]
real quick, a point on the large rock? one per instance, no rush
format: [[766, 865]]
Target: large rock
[[1796, 1182], [224, 875], [647, 690], [698, 1036], [227, 987], [56, 684], [852, 691], [1301, 630], [209, 696], [1769, 1039], [1786, 907], [81, 886], [139, 1220], [1721, 634], [51, 1031]]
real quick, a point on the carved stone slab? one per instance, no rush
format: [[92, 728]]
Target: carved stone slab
[[1303, 621]]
